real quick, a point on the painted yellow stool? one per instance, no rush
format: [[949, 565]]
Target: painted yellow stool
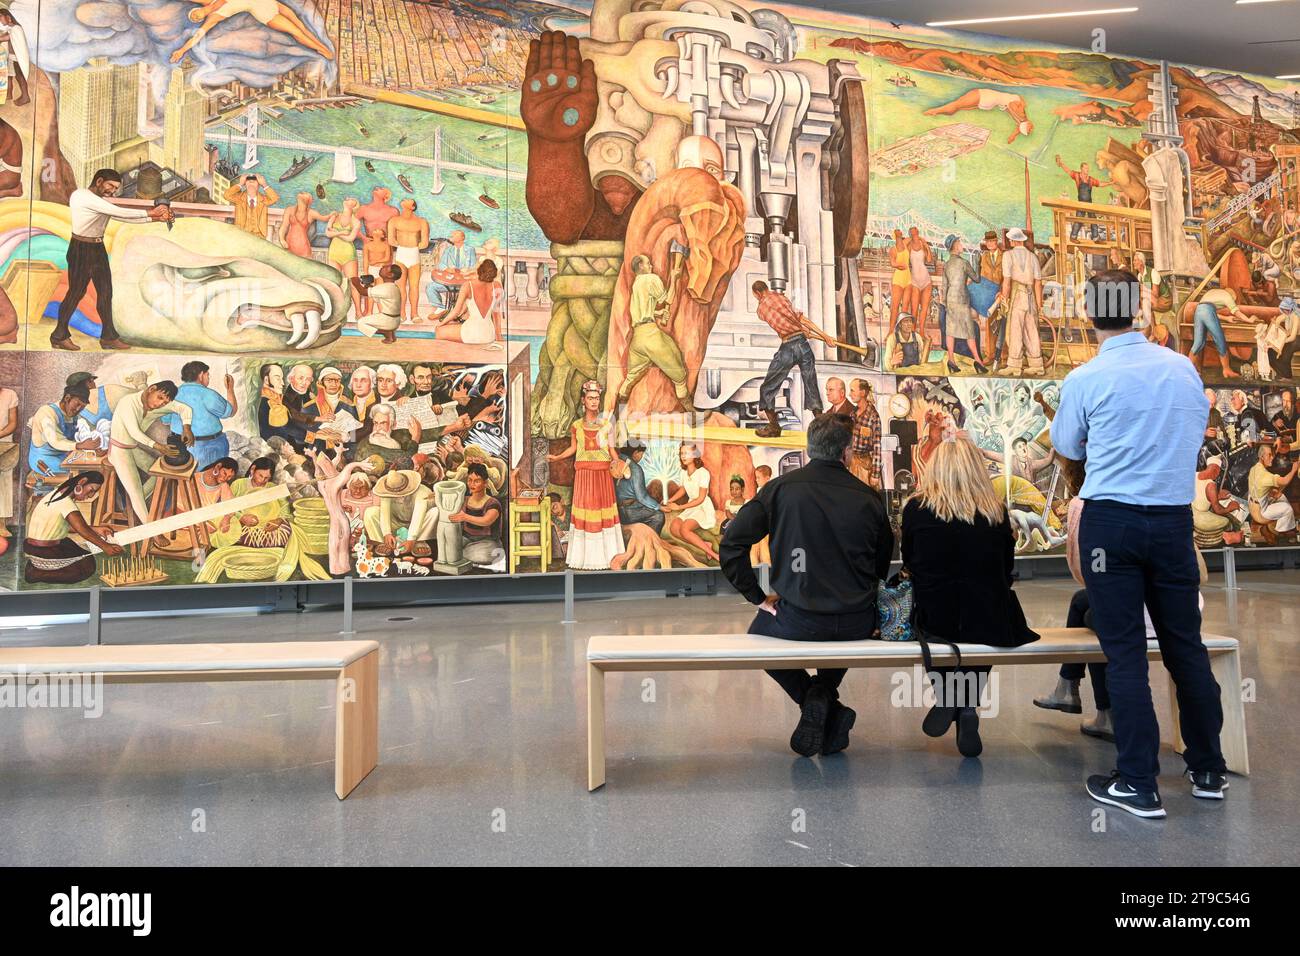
[[540, 525]]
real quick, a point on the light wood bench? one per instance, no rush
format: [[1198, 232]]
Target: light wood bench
[[714, 652], [353, 665]]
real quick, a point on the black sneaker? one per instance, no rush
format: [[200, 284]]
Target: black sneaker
[[1113, 790], [968, 732], [1207, 784], [807, 737], [838, 724], [938, 720]]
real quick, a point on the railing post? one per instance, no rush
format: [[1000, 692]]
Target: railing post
[[569, 617], [348, 629]]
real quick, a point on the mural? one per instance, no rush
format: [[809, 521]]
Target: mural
[[303, 289]]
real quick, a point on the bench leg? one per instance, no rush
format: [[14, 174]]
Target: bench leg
[[356, 730], [1227, 671], [595, 727]]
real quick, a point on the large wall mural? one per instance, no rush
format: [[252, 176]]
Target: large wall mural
[[303, 289]]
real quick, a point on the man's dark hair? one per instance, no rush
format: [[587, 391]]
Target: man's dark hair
[[167, 387], [1112, 299], [829, 436], [227, 463], [106, 176], [759, 287], [1020, 441], [79, 391], [191, 371]]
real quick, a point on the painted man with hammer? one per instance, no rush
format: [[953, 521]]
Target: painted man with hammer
[[793, 328], [650, 344]]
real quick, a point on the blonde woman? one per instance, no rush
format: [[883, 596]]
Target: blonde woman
[[959, 549]]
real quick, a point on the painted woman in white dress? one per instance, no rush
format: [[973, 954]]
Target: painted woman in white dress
[[475, 317], [692, 504], [278, 16]]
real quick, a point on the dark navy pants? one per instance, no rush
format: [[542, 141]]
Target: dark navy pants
[[792, 352], [1133, 554], [795, 624]]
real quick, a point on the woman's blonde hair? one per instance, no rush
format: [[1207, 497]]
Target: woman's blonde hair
[[956, 485]]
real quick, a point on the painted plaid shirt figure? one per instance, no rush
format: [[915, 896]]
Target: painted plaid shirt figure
[[866, 434], [775, 309]]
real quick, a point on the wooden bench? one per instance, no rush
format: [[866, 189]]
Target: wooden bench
[[353, 665], [714, 652]]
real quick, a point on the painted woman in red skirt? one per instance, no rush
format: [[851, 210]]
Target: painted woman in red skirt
[[595, 536]]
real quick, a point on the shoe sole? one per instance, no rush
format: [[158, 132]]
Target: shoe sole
[[1111, 801], [810, 733], [936, 731], [1207, 794], [841, 734], [1098, 734], [969, 743], [1063, 708]]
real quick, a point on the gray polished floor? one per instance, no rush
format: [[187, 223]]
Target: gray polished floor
[[483, 757]]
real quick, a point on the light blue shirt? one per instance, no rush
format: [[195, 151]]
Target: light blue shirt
[[209, 408], [1137, 414], [463, 259]]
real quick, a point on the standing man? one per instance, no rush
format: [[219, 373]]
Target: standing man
[[88, 260], [1084, 184], [831, 544], [1135, 538], [130, 442], [775, 309], [865, 463], [651, 345], [209, 408], [1022, 289], [252, 198]]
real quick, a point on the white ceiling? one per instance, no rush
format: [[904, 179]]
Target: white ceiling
[[1253, 38]]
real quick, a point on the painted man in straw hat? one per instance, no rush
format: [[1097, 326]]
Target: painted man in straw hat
[[405, 505]]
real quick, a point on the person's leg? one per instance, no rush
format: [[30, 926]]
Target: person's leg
[[78, 282], [1116, 589], [1033, 344], [1172, 582], [102, 278], [777, 370], [793, 681], [812, 395], [128, 479], [1015, 339], [1065, 697], [638, 363]]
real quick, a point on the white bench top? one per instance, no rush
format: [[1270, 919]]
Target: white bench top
[[745, 647], [131, 658]]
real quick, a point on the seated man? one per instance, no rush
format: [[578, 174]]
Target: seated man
[[1267, 492], [635, 503], [837, 531], [406, 516]]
